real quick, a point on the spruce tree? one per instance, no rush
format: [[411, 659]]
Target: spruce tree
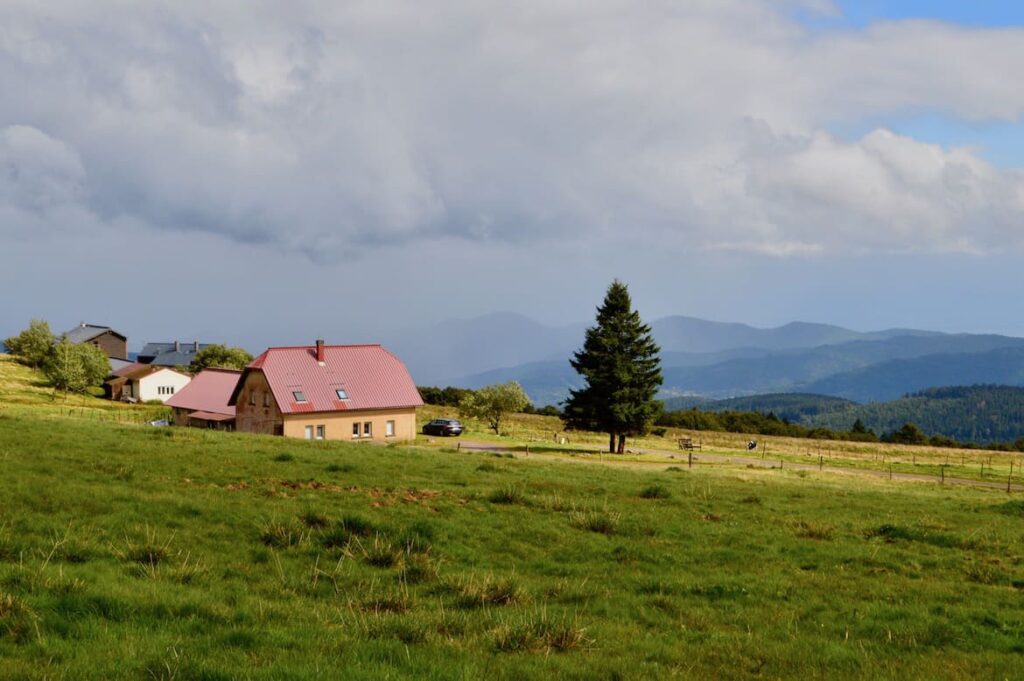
[[619, 362]]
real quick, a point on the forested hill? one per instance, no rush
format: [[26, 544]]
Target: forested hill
[[978, 413], [981, 413], [793, 407]]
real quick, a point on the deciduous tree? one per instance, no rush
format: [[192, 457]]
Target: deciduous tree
[[34, 345], [221, 357], [619, 362], [76, 367], [492, 403]]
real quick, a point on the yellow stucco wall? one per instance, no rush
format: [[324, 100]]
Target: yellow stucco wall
[[338, 425]]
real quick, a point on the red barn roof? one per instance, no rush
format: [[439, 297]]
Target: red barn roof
[[369, 376], [209, 391]]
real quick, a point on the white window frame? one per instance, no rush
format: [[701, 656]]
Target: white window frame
[[321, 432], [309, 432], [357, 429], [368, 429], [389, 428]]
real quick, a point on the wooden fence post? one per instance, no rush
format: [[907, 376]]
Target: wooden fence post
[[942, 470], [689, 459], [820, 462]]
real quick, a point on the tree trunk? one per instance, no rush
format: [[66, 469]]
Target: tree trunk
[[622, 444], [611, 443]]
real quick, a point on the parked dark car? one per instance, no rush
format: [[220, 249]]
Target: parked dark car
[[443, 427]]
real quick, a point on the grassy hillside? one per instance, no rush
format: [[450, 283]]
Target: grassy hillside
[[132, 552]]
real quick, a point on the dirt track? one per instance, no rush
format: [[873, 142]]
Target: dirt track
[[702, 457]]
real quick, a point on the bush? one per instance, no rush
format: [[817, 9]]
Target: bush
[[34, 345]]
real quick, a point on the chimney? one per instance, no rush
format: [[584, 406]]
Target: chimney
[[83, 325], [177, 346], [320, 350]]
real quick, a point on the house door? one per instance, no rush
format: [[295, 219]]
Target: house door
[[309, 432]]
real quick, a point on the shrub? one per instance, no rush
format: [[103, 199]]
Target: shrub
[[284, 456]]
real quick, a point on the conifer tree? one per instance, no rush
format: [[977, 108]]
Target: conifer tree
[[619, 362]]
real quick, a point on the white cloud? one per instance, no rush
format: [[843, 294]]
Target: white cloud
[[328, 128]]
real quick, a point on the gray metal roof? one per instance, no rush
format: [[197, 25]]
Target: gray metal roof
[[86, 332], [116, 364], [165, 354]]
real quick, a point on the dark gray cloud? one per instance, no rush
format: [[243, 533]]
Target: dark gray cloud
[[336, 127], [157, 159]]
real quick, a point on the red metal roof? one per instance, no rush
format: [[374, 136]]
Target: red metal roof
[[208, 391], [371, 376]]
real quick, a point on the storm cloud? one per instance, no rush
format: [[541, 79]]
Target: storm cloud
[[331, 129]]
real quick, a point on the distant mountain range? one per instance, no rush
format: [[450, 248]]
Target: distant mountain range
[[715, 359]]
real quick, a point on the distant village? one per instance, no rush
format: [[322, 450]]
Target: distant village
[[316, 392]]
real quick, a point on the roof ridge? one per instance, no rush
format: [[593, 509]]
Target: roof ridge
[[313, 347]]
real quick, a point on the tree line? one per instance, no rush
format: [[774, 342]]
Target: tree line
[[770, 424]]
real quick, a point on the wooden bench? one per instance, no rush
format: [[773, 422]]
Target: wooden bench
[[688, 443]]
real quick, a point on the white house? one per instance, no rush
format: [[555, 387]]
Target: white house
[[145, 382]]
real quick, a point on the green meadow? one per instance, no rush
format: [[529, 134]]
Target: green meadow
[[158, 553]]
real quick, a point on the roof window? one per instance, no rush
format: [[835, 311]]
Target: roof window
[[342, 395], [299, 396]]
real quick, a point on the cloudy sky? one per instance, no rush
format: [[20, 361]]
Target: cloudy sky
[[266, 172]]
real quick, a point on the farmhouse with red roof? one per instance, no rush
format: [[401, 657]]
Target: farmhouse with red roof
[[203, 403], [327, 392]]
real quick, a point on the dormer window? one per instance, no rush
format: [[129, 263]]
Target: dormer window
[[342, 395], [299, 396]]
